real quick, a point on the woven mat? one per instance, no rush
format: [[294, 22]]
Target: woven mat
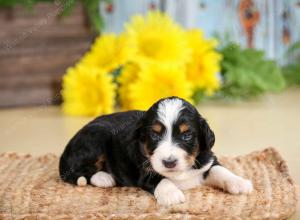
[[30, 188]]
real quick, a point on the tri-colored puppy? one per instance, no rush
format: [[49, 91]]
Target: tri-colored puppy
[[164, 150]]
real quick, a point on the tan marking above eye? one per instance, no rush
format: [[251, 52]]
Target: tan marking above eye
[[183, 127], [157, 127]]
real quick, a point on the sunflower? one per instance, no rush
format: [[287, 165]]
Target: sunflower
[[203, 68], [128, 75], [156, 38], [108, 52], [156, 82], [87, 91]]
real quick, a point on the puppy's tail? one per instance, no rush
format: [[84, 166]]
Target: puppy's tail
[[81, 181], [72, 175], [76, 178]]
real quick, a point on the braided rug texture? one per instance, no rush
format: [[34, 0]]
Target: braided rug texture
[[30, 188]]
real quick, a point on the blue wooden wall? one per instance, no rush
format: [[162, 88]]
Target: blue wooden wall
[[270, 25]]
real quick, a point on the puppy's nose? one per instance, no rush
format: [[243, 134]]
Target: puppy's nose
[[170, 162]]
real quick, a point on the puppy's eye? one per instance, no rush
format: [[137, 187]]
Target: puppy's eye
[[186, 136], [155, 136]]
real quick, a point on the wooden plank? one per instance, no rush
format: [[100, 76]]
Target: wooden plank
[[32, 79], [46, 46], [35, 50], [38, 63], [44, 20], [19, 14], [33, 96], [42, 32]]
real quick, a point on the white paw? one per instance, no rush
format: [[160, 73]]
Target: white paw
[[167, 193], [238, 185], [102, 179]]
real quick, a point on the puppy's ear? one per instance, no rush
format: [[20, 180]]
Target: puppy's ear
[[206, 135], [139, 133], [140, 137]]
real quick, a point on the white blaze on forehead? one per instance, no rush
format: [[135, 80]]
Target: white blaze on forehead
[[168, 112]]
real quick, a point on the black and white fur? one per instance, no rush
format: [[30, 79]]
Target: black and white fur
[[164, 150]]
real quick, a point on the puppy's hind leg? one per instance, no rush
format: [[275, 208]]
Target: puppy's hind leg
[[221, 177], [84, 156], [97, 166], [102, 179]]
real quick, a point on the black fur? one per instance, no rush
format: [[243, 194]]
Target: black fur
[[122, 137]]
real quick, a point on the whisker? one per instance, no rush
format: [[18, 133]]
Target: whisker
[[195, 161], [144, 163], [198, 162], [148, 168]]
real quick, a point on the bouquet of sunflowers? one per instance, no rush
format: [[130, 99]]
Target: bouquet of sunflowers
[[153, 58]]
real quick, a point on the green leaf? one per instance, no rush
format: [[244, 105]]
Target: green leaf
[[294, 50], [292, 74], [91, 8], [198, 96], [246, 73], [292, 70], [25, 3], [68, 6]]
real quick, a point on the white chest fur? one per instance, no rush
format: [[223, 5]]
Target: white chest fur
[[191, 178]]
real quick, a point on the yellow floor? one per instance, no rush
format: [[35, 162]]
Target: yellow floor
[[240, 127]]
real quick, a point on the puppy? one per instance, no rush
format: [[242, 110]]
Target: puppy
[[164, 150]]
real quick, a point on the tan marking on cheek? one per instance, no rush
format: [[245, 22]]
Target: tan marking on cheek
[[100, 162], [146, 150], [192, 157], [183, 127], [190, 160], [157, 127], [147, 166]]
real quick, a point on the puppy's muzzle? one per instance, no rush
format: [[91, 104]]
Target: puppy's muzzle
[[170, 162]]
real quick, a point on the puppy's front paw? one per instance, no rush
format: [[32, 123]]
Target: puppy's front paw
[[238, 185], [167, 193]]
